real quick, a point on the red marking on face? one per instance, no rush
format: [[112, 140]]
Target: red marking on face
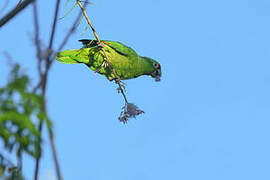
[[159, 67], [105, 42]]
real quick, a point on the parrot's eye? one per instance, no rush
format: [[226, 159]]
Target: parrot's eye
[[157, 66]]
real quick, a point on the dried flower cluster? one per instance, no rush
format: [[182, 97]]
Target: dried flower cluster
[[129, 111]]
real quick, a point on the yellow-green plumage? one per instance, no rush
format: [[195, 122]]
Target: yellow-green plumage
[[126, 62]]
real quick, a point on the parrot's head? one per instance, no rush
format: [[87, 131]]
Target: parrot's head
[[156, 68]]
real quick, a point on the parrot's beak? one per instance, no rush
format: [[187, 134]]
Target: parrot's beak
[[157, 78], [156, 75]]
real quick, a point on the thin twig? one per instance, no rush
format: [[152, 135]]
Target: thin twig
[[89, 22], [5, 157], [72, 30], [38, 53], [19, 160], [43, 83], [49, 61], [37, 37], [14, 12], [36, 87], [10, 61], [106, 59], [53, 32], [19, 3]]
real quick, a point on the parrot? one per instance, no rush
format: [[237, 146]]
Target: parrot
[[124, 60]]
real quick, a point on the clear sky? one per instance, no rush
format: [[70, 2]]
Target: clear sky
[[208, 118]]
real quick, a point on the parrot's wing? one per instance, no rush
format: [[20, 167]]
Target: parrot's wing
[[121, 48], [87, 43], [117, 46]]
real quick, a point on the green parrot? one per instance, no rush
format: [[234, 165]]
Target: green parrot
[[126, 62]]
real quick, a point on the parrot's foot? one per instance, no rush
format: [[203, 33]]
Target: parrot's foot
[[112, 78], [105, 64], [100, 45], [122, 88], [97, 70]]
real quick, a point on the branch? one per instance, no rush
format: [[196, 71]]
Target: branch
[[19, 160], [43, 83], [14, 12], [6, 159], [106, 59], [53, 31], [38, 54], [89, 22], [37, 37], [72, 29]]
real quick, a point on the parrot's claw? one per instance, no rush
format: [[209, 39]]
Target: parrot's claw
[[119, 90], [100, 45], [122, 88], [97, 70], [105, 64]]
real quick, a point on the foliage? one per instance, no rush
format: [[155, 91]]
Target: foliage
[[20, 111]]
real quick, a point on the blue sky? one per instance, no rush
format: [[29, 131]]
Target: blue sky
[[207, 119]]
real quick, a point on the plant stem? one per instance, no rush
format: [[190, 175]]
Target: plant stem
[[38, 52], [14, 12], [72, 30], [43, 85], [89, 22], [106, 59]]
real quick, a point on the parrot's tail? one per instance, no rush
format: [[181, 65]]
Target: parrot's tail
[[73, 56]]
